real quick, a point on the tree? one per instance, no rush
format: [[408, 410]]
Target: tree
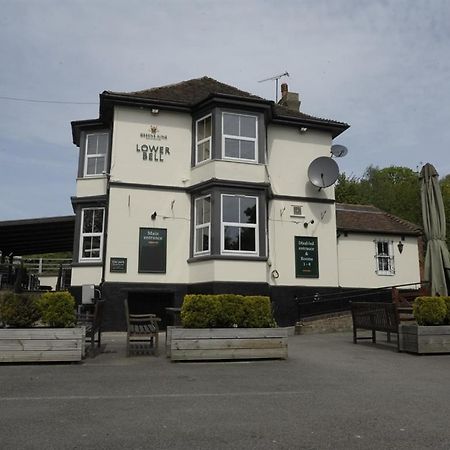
[[395, 190]]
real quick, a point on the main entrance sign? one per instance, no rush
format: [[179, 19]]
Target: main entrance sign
[[152, 250]]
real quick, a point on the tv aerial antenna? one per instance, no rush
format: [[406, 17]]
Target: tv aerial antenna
[[276, 78]]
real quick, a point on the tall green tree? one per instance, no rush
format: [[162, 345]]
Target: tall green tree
[[394, 189]]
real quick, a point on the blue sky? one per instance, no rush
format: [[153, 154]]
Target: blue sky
[[382, 66]]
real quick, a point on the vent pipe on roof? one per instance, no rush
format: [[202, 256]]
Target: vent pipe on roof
[[289, 99]]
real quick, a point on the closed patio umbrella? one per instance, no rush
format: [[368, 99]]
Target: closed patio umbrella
[[437, 259]]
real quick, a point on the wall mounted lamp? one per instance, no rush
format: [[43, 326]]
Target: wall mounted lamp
[[153, 216], [155, 111], [306, 224], [400, 246]]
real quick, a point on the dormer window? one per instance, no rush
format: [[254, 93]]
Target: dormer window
[[96, 150], [203, 139], [239, 137]]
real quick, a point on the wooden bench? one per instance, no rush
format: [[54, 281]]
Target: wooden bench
[[93, 323], [142, 332], [375, 317]]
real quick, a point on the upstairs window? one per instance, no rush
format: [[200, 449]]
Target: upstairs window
[[239, 224], [91, 240], [202, 232], [203, 139], [384, 258], [96, 150], [239, 137]]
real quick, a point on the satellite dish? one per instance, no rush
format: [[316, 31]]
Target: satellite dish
[[339, 150], [323, 172]]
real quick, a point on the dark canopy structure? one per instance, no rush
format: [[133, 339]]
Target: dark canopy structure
[[34, 236]]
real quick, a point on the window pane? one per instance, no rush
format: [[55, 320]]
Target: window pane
[[92, 144], [91, 166], [231, 124], [207, 210], [95, 253], [198, 212], [230, 209], [207, 126], [87, 245], [202, 240], [100, 167], [248, 150], [232, 148], [98, 221], [247, 210], [203, 151], [248, 239], [248, 126], [200, 131], [88, 220], [231, 238], [102, 143]]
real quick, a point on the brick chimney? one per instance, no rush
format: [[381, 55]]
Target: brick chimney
[[289, 99]]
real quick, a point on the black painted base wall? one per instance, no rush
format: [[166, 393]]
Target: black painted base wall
[[290, 303]]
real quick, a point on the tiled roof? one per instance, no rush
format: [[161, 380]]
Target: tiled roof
[[369, 219], [192, 92]]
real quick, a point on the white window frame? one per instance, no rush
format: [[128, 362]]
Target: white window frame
[[240, 225], [92, 234], [96, 155], [381, 256], [201, 226], [240, 138], [202, 141]]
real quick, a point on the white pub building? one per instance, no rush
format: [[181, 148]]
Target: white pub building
[[199, 187]]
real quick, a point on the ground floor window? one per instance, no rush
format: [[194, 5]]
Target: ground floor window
[[239, 224], [91, 237], [384, 257], [229, 222], [202, 230]]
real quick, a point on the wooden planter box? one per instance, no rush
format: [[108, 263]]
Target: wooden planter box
[[41, 344], [194, 344], [424, 339]]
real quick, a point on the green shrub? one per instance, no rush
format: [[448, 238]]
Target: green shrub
[[430, 310], [447, 303], [57, 309], [226, 311], [19, 310]]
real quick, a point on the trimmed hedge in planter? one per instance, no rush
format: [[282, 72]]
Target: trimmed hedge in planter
[[431, 334], [21, 341], [218, 327], [227, 311]]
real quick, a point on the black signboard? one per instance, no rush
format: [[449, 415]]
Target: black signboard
[[118, 265], [306, 257], [152, 250]]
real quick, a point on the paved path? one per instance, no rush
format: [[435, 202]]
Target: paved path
[[329, 394]]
